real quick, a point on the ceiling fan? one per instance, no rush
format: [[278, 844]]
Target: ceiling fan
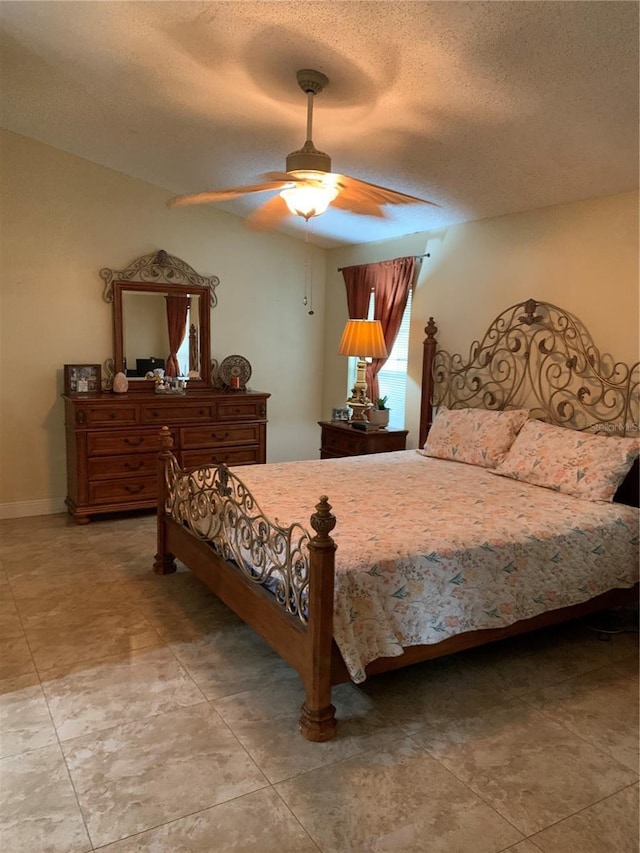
[[308, 186]]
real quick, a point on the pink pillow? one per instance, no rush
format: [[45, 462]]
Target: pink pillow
[[577, 463], [474, 436]]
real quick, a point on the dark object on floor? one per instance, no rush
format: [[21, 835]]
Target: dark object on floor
[[619, 620]]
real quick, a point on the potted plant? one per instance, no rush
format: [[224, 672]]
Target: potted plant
[[379, 414]]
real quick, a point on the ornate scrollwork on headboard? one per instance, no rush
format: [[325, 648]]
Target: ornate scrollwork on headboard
[[537, 356]]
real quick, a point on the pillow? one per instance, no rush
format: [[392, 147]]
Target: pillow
[[475, 436], [577, 463]]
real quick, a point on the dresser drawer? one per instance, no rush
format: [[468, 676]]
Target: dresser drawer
[[112, 415], [119, 443], [241, 409], [231, 456], [114, 467], [123, 491], [179, 411], [221, 435]]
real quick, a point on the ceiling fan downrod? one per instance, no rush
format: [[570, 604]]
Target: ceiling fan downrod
[[308, 158]]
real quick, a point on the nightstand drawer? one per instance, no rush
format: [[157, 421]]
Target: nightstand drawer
[[340, 439], [220, 435], [343, 443]]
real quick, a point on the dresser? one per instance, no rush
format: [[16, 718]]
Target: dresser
[[113, 442], [341, 439]]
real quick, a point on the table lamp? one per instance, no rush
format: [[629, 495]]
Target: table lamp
[[363, 339]]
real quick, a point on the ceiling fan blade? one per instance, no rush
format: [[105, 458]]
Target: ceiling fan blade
[[355, 188], [278, 176], [225, 195], [293, 179], [363, 206], [269, 214]]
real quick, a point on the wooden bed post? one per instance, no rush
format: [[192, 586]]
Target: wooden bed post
[[426, 404], [164, 563], [317, 721]]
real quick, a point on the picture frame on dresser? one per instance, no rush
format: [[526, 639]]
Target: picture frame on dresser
[[82, 379], [339, 414]]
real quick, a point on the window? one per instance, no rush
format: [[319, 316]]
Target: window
[[392, 379]]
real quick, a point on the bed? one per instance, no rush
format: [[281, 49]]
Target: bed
[[438, 550]]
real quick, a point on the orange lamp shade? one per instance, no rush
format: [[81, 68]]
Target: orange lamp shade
[[363, 338]]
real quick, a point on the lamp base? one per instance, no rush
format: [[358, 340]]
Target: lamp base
[[359, 406]]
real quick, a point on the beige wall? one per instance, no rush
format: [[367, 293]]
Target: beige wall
[[61, 220], [582, 256]]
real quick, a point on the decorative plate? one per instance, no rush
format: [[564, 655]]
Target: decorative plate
[[235, 371]]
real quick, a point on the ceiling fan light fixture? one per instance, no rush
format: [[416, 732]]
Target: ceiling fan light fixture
[[307, 186], [312, 197]]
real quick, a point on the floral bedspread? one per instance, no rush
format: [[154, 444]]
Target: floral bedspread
[[429, 548]]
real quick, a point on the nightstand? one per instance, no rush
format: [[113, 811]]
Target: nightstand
[[341, 439]]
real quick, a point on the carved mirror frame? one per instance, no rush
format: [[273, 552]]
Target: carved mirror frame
[[159, 272]]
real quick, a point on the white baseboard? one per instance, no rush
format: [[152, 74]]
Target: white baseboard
[[23, 509]]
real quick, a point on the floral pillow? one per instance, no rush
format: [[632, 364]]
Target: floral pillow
[[474, 436], [577, 463]]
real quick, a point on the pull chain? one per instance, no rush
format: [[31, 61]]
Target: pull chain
[[308, 272]]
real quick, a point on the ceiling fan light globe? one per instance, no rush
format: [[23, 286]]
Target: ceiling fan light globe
[[312, 198]]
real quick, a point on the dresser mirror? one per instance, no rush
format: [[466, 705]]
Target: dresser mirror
[[161, 320]]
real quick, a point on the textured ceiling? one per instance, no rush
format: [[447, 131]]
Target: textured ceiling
[[486, 108]]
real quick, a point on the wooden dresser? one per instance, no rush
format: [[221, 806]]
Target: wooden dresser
[[112, 442], [341, 439]]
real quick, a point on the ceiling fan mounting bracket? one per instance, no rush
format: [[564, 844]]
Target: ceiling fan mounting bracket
[[311, 82]]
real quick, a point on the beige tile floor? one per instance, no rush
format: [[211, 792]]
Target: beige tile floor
[[138, 715]]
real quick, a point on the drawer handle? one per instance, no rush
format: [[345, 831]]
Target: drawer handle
[[136, 441], [134, 490], [216, 437], [155, 414], [130, 467], [203, 413], [113, 415]]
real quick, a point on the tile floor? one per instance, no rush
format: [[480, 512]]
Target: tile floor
[[139, 715]]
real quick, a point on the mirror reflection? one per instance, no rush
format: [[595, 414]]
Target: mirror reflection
[[161, 320], [160, 332]]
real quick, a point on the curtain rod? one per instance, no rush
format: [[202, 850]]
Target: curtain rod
[[417, 257]]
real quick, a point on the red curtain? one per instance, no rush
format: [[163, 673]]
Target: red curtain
[[358, 283], [391, 282], [177, 308]]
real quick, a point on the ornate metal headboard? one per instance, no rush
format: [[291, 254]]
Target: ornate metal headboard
[[537, 356]]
